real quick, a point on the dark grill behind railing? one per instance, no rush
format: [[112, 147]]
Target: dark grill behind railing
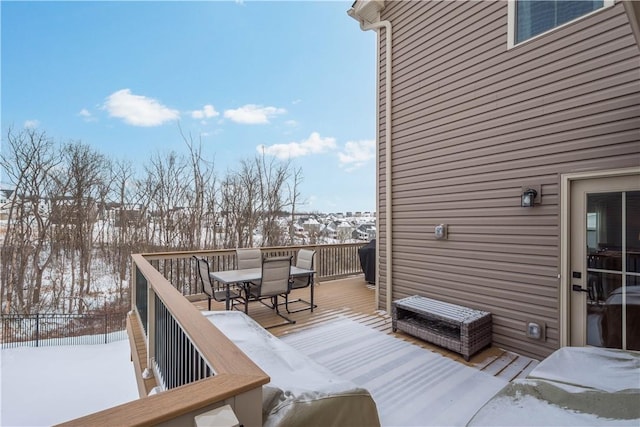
[[331, 262], [177, 359], [37, 330]]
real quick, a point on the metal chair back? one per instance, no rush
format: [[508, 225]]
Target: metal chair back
[[275, 276], [303, 260], [248, 258]]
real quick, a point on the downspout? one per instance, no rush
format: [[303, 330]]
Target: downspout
[[387, 147]]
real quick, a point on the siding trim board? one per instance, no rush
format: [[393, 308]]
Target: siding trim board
[[473, 122]]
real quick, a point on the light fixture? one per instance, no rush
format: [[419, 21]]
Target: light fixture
[[528, 197]]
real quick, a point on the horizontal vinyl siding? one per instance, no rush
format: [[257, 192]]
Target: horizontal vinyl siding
[[472, 123]]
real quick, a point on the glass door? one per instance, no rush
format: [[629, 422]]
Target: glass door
[[605, 254]]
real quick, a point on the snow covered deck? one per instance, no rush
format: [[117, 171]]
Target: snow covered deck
[[354, 299]]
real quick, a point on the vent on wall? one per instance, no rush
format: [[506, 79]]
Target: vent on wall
[[536, 330]]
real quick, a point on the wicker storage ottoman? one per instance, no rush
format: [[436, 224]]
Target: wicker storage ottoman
[[455, 327]]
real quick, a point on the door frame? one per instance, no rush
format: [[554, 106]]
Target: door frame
[[565, 241]]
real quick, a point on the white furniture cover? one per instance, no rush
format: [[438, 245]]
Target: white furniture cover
[[301, 392], [574, 386]]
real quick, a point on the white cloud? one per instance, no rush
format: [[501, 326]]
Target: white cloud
[[86, 115], [31, 124], [291, 123], [252, 114], [138, 110], [357, 153], [315, 144], [206, 113]]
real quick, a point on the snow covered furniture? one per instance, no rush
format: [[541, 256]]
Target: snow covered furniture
[[575, 386], [301, 392], [461, 329]]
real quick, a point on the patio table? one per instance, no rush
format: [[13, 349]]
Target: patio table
[[229, 277]]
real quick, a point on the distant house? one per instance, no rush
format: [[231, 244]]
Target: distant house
[[365, 231], [344, 230], [311, 225], [5, 204], [512, 123], [297, 228], [329, 231]]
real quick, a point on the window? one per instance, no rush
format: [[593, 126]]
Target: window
[[529, 18]]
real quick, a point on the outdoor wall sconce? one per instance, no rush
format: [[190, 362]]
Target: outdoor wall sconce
[[528, 197]]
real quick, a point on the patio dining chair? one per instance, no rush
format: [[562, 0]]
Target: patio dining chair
[[217, 292], [248, 258], [274, 283], [303, 260]]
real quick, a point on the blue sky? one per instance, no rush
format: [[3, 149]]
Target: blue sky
[[295, 78]]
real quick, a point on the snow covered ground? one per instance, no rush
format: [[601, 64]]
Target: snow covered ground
[[41, 386]]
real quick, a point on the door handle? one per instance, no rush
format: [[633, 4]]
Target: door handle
[[579, 288]]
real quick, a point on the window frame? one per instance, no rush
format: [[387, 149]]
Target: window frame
[[511, 23]]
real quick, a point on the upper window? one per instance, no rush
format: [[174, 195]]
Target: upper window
[[536, 17]]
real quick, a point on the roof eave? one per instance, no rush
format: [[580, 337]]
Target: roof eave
[[367, 11]]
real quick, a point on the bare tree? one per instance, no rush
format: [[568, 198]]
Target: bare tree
[[212, 223], [60, 196], [26, 251], [89, 185], [272, 177], [167, 183], [201, 197], [294, 199], [233, 209], [129, 223]]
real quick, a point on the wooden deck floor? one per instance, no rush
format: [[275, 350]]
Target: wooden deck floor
[[354, 298]]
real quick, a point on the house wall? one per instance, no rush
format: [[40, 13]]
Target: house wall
[[474, 122]]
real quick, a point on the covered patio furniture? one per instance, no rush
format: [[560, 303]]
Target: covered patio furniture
[[574, 386], [275, 282], [303, 260], [217, 292], [302, 392]]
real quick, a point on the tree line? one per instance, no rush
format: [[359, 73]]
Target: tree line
[[70, 208]]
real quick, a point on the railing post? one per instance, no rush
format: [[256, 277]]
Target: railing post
[[106, 318], [133, 286], [151, 326]]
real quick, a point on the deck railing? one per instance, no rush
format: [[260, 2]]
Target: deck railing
[[198, 366], [331, 262]]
